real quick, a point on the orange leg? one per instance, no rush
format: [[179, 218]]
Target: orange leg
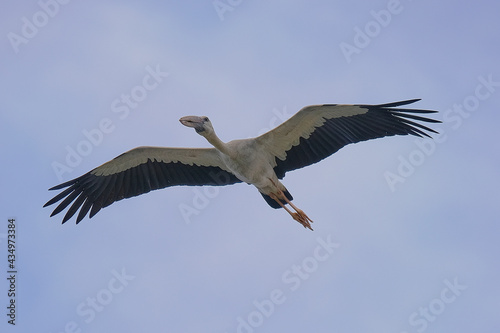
[[299, 216]]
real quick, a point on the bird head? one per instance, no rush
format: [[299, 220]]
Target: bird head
[[202, 124]]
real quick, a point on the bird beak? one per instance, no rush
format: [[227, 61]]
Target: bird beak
[[193, 121]]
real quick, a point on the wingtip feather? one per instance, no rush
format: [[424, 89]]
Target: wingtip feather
[[394, 104]]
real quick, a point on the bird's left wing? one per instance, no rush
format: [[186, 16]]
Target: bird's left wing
[[139, 171], [317, 131]]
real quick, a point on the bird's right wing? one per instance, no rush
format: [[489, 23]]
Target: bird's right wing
[[317, 131], [139, 171]]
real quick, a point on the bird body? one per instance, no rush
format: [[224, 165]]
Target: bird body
[[247, 166], [312, 134]]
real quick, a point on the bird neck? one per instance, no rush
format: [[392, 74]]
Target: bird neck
[[217, 143]]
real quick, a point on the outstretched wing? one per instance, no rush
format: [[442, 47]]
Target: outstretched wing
[[317, 131], [139, 171]]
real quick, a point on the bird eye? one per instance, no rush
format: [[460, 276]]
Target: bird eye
[[205, 118]]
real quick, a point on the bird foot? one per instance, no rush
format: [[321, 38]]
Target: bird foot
[[303, 219]]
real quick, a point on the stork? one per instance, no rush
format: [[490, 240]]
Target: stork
[[312, 134]]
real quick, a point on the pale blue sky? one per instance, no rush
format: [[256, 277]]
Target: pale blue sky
[[417, 253]]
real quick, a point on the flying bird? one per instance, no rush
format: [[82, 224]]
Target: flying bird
[[312, 134]]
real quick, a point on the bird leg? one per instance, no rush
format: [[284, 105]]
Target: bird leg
[[299, 216]]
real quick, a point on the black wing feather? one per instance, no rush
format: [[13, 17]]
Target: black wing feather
[[91, 192]]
